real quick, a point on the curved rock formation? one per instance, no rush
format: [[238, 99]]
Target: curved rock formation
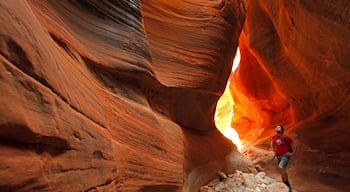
[[120, 95], [294, 70], [114, 95]]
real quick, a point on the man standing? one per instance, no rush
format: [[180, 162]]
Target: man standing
[[284, 149]]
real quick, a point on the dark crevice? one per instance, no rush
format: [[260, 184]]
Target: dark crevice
[[62, 171], [27, 185], [99, 155], [14, 53], [160, 188], [292, 20], [21, 137], [64, 46], [10, 49]]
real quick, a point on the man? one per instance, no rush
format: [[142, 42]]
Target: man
[[284, 149]]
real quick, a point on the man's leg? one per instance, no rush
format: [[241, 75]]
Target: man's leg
[[284, 175], [282, 164]]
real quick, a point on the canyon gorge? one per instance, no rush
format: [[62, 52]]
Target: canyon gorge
[[122, 95]]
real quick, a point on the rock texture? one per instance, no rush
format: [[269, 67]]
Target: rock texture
[[120, 95], [294, 70], [114, 95], [246, 182]]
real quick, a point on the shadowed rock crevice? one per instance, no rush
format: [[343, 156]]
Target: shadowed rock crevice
[[21, 137], [65, 46], [14, 53], [27, 185], [160, 188]]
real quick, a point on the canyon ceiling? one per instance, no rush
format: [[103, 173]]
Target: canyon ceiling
[[121, 95]]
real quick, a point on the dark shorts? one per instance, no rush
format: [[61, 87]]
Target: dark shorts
[[282, 161]]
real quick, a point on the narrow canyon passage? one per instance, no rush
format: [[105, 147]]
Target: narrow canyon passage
[[224, 112], [122, 95], [261, 159]]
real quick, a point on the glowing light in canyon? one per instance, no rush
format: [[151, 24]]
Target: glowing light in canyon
[[224, 111]]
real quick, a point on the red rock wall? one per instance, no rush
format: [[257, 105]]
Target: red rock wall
[[120, 95], [114, 95], [294, 70]]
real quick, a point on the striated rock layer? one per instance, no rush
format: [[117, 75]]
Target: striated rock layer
[[114, 95], [295, 71], [120, 95]]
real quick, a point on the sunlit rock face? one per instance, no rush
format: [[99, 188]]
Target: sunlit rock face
[[114, 95], [295, 71]]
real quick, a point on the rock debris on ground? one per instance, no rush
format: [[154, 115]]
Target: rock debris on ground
[[244, 182]]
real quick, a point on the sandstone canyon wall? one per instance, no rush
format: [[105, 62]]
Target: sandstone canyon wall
[[120, 95], [114, 95], [295, 71]]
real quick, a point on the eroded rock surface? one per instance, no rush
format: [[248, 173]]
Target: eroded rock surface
[[120, 95], [294, 71], [113, 95]]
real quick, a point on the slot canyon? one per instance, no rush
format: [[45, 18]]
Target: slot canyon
[[104, 95]]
